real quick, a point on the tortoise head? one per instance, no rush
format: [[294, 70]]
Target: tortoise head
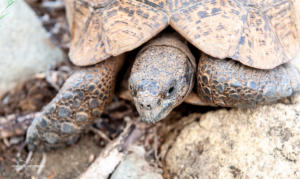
[[161, 77]]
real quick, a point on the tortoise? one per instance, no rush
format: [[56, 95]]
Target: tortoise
[[245, 47]]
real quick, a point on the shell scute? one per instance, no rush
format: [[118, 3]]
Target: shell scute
[[260, 34]]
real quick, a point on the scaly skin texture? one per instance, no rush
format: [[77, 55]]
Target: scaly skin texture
[[162, 76], [164, 64], [260, 34], [224, 82], [82, 98]]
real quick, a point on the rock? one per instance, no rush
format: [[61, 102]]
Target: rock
[[297, 10], [263, 142], [135, 167], [296, 61], [25, 47]]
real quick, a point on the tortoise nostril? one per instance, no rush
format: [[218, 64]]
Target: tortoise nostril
[[149, 106], [158, 102], [143, 106]]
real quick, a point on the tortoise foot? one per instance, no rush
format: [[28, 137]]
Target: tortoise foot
[[82, 99], [224, 82]]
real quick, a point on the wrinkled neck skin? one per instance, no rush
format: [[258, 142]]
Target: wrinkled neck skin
[[161, 78]]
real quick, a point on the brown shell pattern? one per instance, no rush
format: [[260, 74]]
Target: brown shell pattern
[[257, 33]]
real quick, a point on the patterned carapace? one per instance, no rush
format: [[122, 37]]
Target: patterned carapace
[[260, 34]]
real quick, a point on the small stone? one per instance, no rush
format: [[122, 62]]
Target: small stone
[[135, 166], [25, 47], [261, 142]]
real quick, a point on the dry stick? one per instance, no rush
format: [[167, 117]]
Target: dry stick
[[113, 153], [100, 133], [42, 164], [20, 168], [6, 142]]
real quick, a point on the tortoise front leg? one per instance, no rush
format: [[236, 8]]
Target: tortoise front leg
[[224, 82], [82, 98]]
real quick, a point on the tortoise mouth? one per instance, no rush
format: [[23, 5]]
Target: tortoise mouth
[[153, 116]]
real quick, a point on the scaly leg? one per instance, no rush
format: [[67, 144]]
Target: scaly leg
[[82, 98], [224, 82]]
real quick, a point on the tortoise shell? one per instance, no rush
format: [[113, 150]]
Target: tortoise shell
[[258, 33]]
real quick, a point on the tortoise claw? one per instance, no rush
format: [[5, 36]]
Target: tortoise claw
[[48, 134]]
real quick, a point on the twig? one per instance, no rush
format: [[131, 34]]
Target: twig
[[100, 133], [42, 164], [54, 5], [113, 153], [6, 142], [20, 168]]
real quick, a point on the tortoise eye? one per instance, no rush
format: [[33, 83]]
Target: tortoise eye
[[170, 91], [133, 91]]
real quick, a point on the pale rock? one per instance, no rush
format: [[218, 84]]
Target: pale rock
[[25, 47], [135, 167], [263, 142], [297, 10], [296, 61]]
